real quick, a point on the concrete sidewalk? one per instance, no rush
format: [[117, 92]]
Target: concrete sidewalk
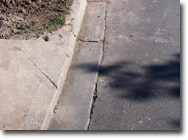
[[32, 74]]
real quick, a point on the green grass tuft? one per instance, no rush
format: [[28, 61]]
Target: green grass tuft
[[59, 20]]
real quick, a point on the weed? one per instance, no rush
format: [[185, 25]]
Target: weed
[[59, 20]]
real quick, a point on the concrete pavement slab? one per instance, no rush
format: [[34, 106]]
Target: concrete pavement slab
[[51, 59], [24, 92], [32, 74], [93, 22], [45, 54]]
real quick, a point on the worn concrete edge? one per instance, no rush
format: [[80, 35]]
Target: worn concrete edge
[[94, 91], [77, 13]]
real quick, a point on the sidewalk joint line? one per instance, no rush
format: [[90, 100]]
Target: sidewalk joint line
[[35, 65]]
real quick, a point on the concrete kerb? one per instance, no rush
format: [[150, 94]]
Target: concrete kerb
[[73, 22], [72, 112], [49, 61]]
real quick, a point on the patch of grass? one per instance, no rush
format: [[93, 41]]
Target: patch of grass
[[56, 21], [59, 20], [48, 26]]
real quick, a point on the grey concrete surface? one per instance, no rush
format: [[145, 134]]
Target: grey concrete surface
[[139, 83], [32, 74], [93, 23], [25, 93], [73, 109]]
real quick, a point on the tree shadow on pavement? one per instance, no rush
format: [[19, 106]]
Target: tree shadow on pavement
[[140, 85], [157, 79], [162, 80]]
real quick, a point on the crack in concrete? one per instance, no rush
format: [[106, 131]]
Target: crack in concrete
[[95, 96], [35, 65]]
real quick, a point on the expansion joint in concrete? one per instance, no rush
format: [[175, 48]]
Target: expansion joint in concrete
[[88, 40]]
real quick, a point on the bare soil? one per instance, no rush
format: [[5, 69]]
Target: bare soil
[[25, 19]]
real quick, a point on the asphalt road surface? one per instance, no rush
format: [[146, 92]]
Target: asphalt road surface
[[139, 81]]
